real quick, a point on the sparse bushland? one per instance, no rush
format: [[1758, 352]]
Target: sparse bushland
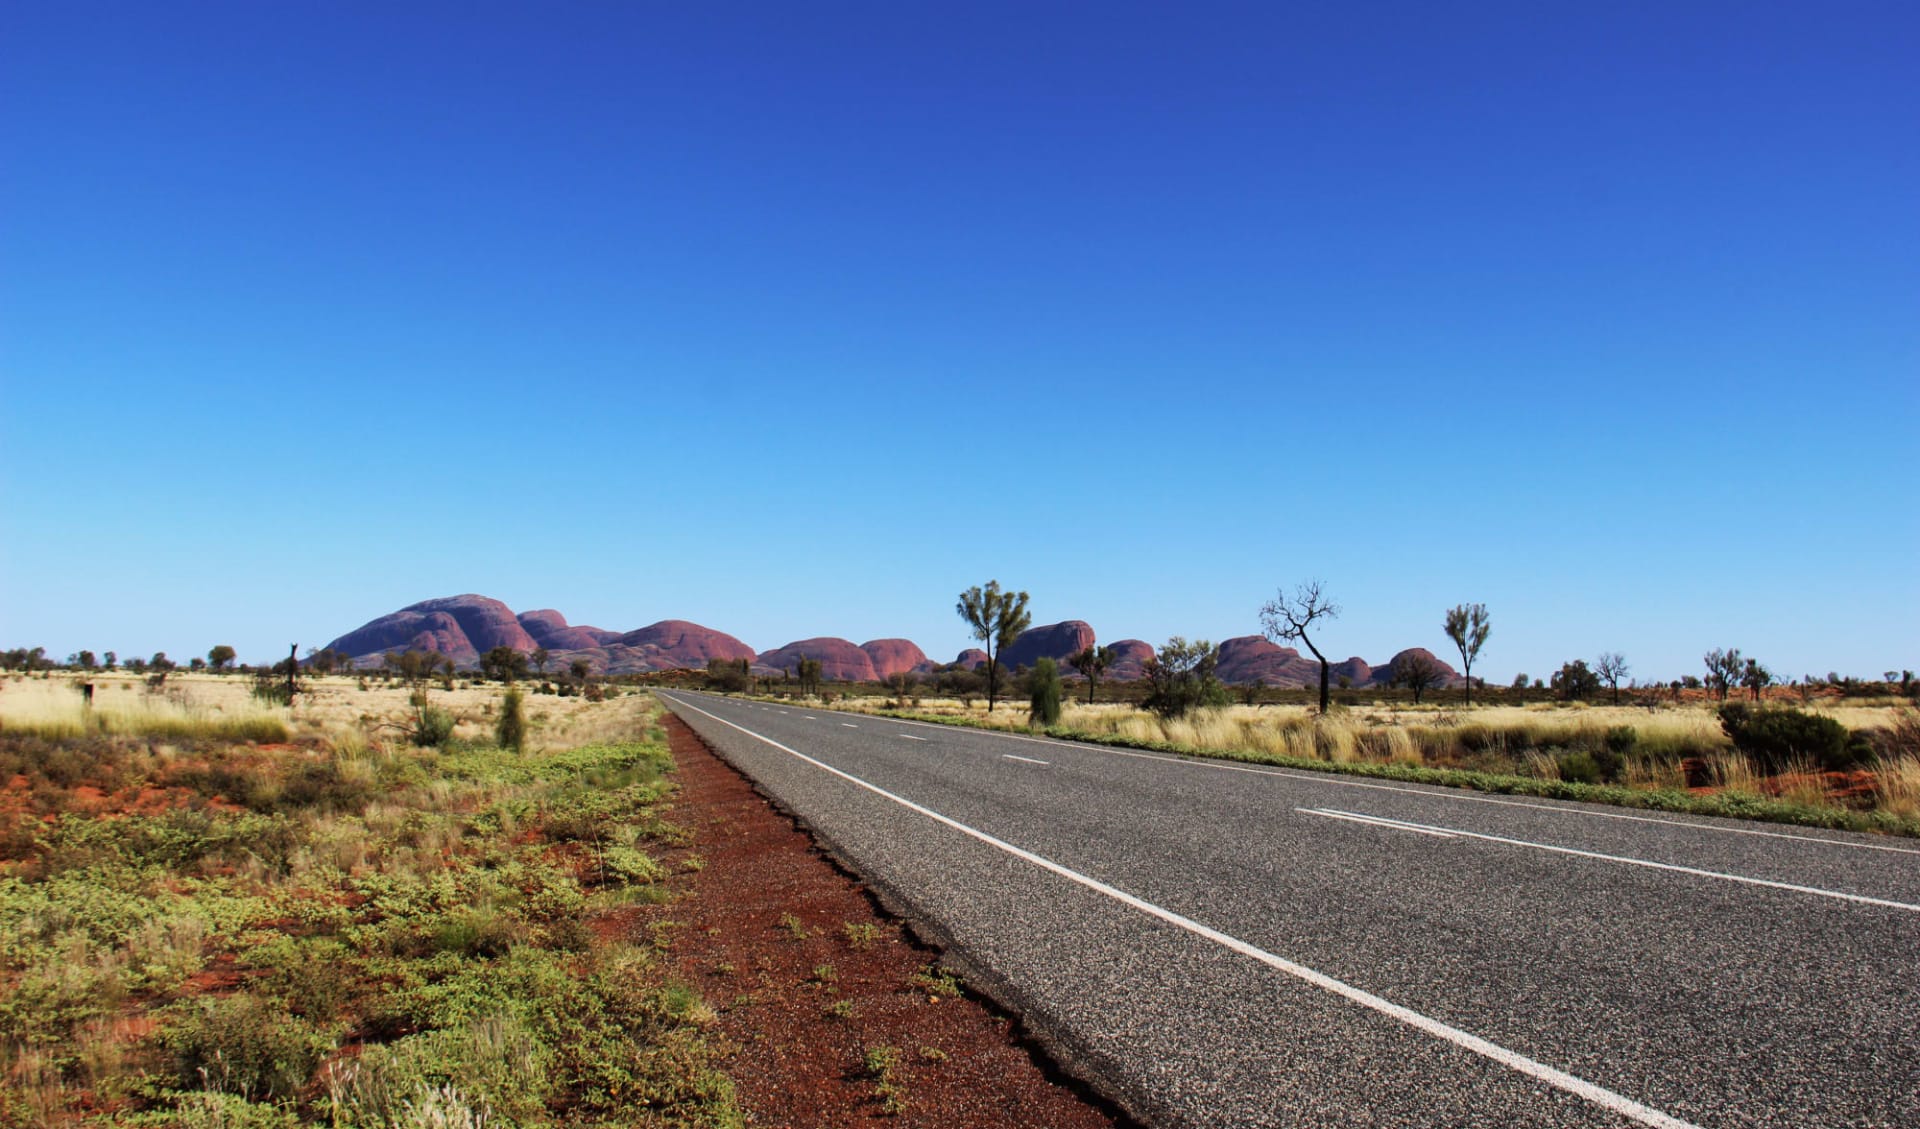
[[347, 931]]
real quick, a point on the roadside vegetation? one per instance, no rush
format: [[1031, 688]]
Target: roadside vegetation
[[220, 913], [1683, 758]]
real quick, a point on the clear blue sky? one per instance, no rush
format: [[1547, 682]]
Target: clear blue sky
[[798, 319]]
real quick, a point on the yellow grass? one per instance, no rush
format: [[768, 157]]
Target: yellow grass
[[334, 709]]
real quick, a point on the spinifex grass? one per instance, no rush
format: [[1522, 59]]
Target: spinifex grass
[[357, 935]]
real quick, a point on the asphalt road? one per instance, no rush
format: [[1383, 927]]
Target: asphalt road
[[1226, 945]]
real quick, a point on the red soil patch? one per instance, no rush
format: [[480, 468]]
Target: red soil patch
[[762, 933]]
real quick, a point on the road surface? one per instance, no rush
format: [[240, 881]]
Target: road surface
[[1229, 945]]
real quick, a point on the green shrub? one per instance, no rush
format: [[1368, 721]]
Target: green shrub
[[1045, 693], [1778, 737], [1579, 767], [245, 1046], [511, 730], [432, 727]]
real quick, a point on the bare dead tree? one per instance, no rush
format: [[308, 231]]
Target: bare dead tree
[[1611, 666], [1289, 616]]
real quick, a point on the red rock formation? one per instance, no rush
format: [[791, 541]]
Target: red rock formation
[[675, 643], [839, 659], [1056, 641], [1251, 658], [973, 658], [896, 656], [549, 629], [1129, 660], [460, 627], [1355, 670], [1383, 675]]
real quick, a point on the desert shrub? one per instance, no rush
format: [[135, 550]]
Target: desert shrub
[[1774, 737], [1899, 739], [322, 785], [492, 1061], [511, 730], [204, 1110], [245, 1046], [1044, 693], [1180, 678], [432, 727], [1579, 767]]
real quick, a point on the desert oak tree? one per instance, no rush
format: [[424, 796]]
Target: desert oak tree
[[1288, 617], [1467, 626], [997, 619]]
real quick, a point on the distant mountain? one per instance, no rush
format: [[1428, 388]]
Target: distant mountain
[[465, 627]]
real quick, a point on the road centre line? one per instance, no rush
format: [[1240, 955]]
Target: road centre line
[[1513, 1060], [1440, 791], [1029, 760], [909, 736], [849, 725], [1430, 829]]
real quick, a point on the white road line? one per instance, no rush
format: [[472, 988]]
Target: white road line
[[809, 717], [1029, 760], [1436, 791], [909, 736], [1513, 1060], [1395, 824], [1428, 828], [849, 725]]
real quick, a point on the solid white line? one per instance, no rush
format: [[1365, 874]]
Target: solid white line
[[1394, 824], [1741, 878], [1437, 791], [910, 737], [1513, 1060], [849, 725], [1029, 760]]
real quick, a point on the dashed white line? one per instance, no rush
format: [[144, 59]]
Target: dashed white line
[[1376, 821], [1029, 760], [909, 736], [848, 725], [1513, 1060], [1454, 832]]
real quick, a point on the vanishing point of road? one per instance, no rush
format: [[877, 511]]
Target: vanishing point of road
[[1217, 944]]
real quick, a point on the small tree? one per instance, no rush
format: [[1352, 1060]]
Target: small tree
[[580, 669], [1755, 677], [1092, 662], [1576, 682], [1723, 670], [1467, 625], [220, 658], [729, 676], [902, 685], [1418, 672], [112, 659], [808, 672], [1288, 617], [504, 664], [540, 657], [1611, 666], [997, 619], [1044, 692], [83, 660], [1180, 678], [1521, 681]]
